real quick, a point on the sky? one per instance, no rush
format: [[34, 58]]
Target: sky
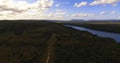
[[59, 9]]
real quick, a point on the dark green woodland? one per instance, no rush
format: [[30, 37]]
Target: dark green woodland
[[28, 42]]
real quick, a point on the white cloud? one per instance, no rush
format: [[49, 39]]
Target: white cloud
[[98, 2], [103, 13], [119, 17], [82, 15], [23, 8], [58, 14], [80, 4], [115, 5], [58, 4], [113, 12]]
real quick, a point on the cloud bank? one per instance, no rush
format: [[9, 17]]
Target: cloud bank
[[23, 8], [98, 2], [82, 15], [80, 4]]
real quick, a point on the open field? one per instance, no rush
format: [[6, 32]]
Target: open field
[[46, 42]]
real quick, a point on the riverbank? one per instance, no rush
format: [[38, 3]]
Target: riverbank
[[114, 36], [113, 28]]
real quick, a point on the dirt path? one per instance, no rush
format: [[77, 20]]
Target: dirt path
[[49, 54], [51, 48]]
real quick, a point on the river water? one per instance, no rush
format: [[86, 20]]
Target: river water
[[114, 36]]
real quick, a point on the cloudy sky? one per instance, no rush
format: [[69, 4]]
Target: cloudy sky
[[60, 9]]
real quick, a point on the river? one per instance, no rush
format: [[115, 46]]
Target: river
[[114, 36]]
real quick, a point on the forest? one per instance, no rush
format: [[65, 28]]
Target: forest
[[30, 41]]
